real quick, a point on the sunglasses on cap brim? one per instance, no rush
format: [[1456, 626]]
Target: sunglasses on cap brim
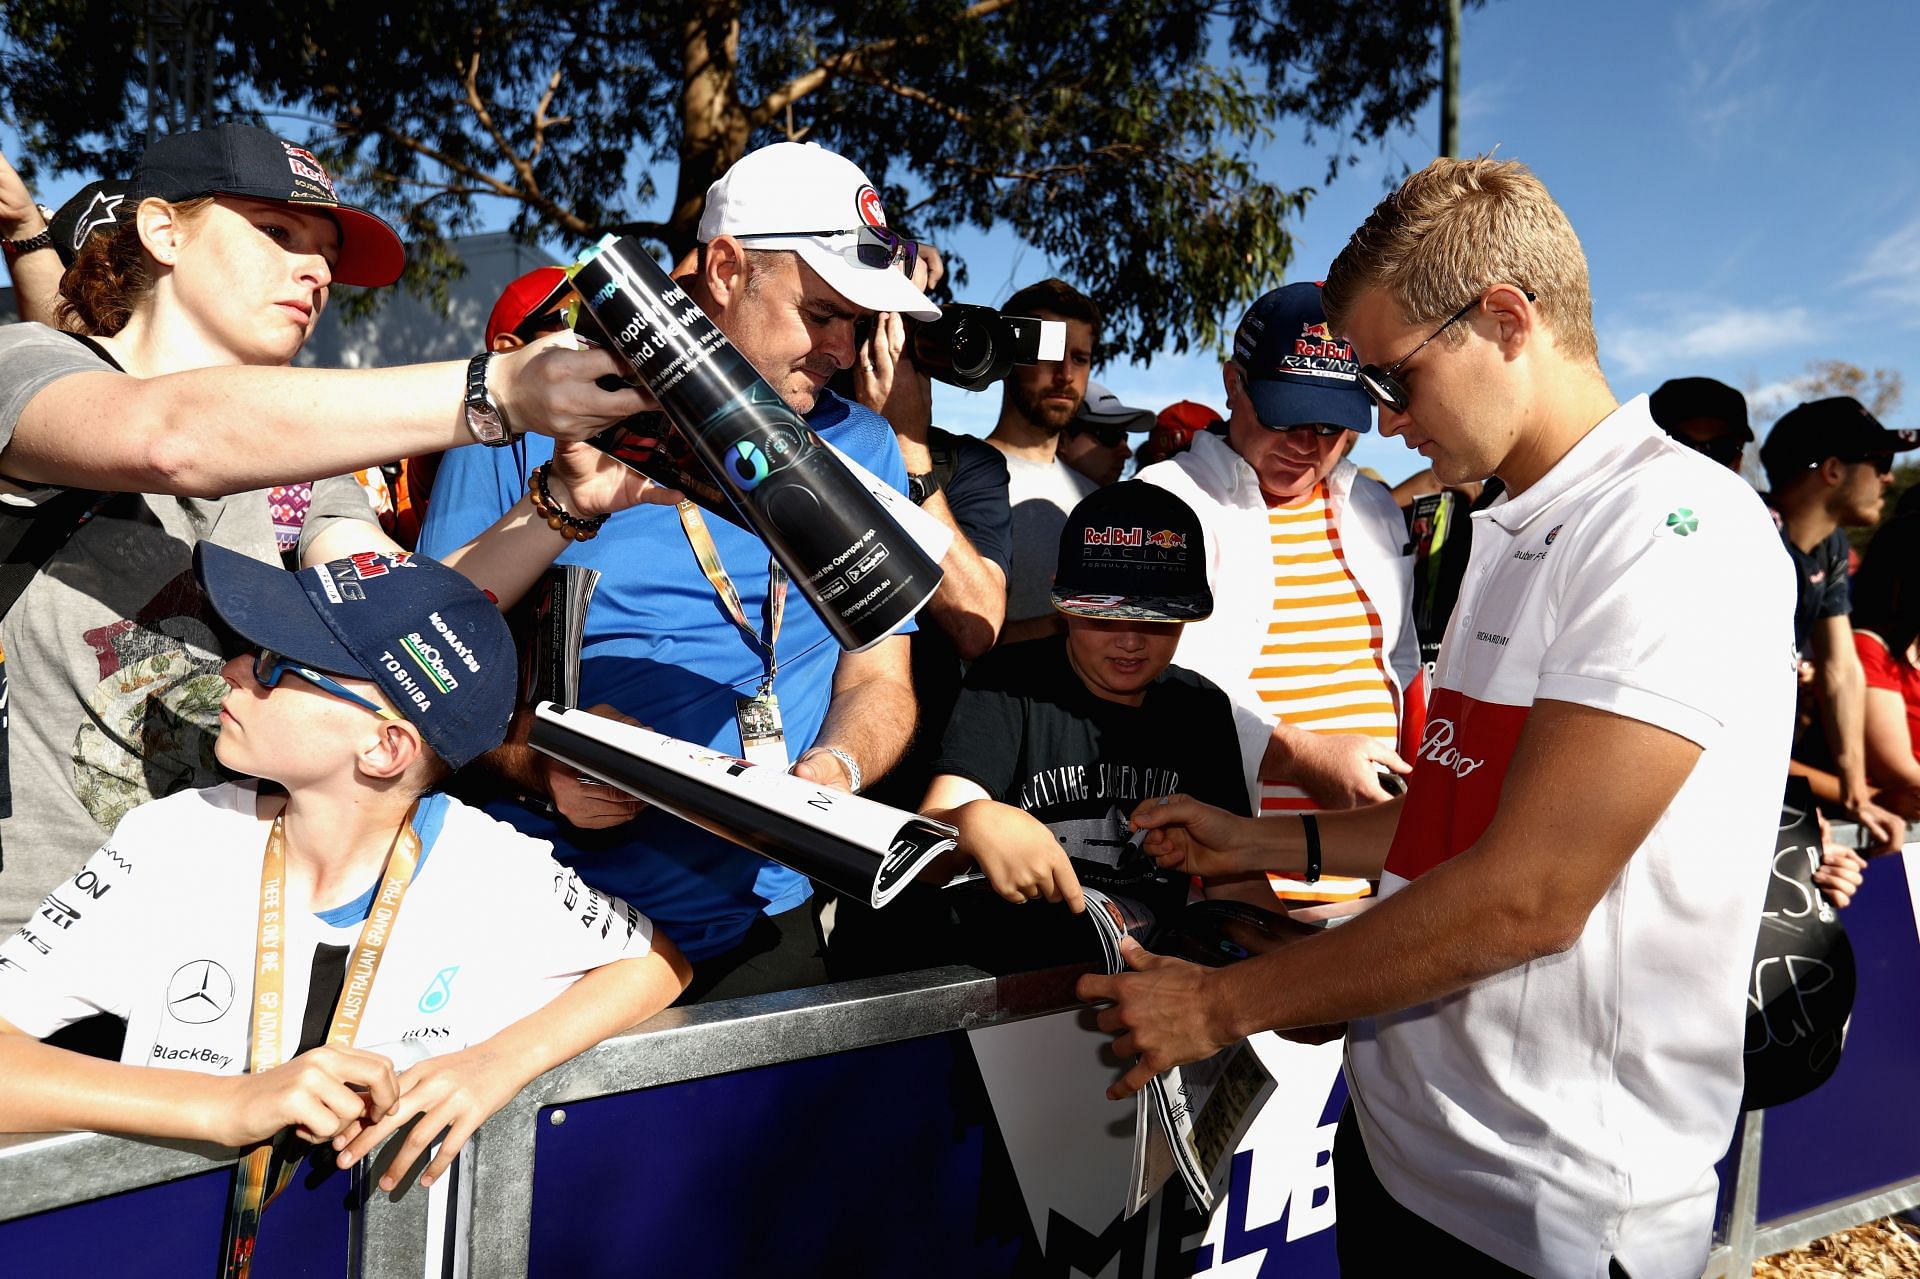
[[874, 246]]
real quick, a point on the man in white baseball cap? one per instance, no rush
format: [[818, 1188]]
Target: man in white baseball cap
[[794, 250], [802, 197]]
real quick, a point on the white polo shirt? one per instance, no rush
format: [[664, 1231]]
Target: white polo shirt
[[1572, 1109]]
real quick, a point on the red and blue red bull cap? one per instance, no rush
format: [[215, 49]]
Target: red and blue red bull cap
[[1297, 372], [1133, 551], [432, 641]]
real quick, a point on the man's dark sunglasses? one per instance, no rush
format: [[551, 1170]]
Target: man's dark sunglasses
[[1384, 385], [1726, 450], [1321, 429], [540, 324], [1882, 463], [875, 246], [1109, 436]]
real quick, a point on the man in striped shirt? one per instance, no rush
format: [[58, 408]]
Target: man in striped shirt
[[1309, 566]]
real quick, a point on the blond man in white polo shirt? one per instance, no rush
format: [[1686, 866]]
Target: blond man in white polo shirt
[[1547, 1003]]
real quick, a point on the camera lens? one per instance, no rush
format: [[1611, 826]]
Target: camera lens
[[972, 347]]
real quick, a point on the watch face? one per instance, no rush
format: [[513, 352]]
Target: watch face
[[484, 421]]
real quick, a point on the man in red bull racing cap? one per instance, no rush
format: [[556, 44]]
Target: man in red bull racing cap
[[1301, 544]]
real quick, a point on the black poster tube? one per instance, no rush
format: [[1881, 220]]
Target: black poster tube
[[858, 568]]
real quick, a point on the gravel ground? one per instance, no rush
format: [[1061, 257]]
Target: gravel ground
[[1884, 1249]]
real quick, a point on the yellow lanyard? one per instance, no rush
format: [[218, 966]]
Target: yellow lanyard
[[708, 556], [267, 1169]]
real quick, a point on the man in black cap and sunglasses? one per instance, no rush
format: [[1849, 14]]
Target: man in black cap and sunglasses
[[1708, 417], [1828, 465], [1309, 564]]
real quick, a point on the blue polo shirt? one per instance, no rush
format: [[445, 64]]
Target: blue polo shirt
[[661, 648]]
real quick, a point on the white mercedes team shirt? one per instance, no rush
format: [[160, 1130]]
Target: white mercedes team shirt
[[1572, 1109], [158, 927]]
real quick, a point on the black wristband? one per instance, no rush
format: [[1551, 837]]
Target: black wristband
[[1311, 826]]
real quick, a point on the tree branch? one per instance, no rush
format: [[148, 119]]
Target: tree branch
[[867, 76], [485, 117], [848, 60]]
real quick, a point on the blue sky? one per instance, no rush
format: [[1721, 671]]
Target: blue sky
[[1743, 174]]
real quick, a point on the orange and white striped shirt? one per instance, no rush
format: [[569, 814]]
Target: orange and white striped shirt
[[1323, 665]]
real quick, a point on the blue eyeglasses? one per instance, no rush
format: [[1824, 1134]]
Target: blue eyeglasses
[[270, 666]]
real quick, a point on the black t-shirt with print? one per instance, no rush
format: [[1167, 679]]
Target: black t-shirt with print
[[1820, 579], [1028, 731]]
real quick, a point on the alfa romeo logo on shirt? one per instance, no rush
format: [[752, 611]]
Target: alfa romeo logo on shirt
[[200, 991], [1681, 522]]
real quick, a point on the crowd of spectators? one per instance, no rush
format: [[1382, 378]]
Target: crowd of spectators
[[1209, 671]]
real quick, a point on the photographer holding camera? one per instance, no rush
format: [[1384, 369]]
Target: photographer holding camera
[[1037, 402]]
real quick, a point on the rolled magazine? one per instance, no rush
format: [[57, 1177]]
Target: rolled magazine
[[852, 845], [1188, 1119], [861, 572]]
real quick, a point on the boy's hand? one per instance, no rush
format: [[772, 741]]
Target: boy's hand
[[320, 1093], [1019, 856], [1184, 834], [1840, 873], [453, 1094]]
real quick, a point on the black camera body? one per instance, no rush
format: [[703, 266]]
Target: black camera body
[[972, 347]]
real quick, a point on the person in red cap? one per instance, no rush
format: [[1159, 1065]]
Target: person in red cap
[[157, 412], [529, 309], [1173, 431]]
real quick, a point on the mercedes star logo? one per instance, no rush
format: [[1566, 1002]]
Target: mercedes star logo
[[200, 991]]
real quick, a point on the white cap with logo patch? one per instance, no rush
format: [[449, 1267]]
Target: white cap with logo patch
[[803, 197]]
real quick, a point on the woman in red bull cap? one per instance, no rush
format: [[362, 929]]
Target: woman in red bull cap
[[155, 413]]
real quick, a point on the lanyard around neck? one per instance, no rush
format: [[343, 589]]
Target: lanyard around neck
[[259, 1177], [708, 555]]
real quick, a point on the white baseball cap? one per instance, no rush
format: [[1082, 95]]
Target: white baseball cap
[[803, 197]]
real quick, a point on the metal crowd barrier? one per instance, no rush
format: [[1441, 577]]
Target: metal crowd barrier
[[40, 1174], [1846, 1154]]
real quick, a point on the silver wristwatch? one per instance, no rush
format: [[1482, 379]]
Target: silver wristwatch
[[484, 418]]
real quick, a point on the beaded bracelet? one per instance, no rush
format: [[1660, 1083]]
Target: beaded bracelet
[[572, 527]]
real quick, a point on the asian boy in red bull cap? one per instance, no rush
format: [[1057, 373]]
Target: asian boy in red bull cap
[[1055, 740]]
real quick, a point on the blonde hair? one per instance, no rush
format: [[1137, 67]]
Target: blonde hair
[[112, 276], [1458, 228]]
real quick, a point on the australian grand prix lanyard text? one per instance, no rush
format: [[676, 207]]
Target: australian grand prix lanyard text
[[256, 1182], [762, 739], [708, 556]]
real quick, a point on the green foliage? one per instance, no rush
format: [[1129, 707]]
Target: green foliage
[[1103, 134]]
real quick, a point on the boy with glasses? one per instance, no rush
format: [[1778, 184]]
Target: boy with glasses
[[1547, 1005], [1309, 564], [1828, 464], [326, 958]]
